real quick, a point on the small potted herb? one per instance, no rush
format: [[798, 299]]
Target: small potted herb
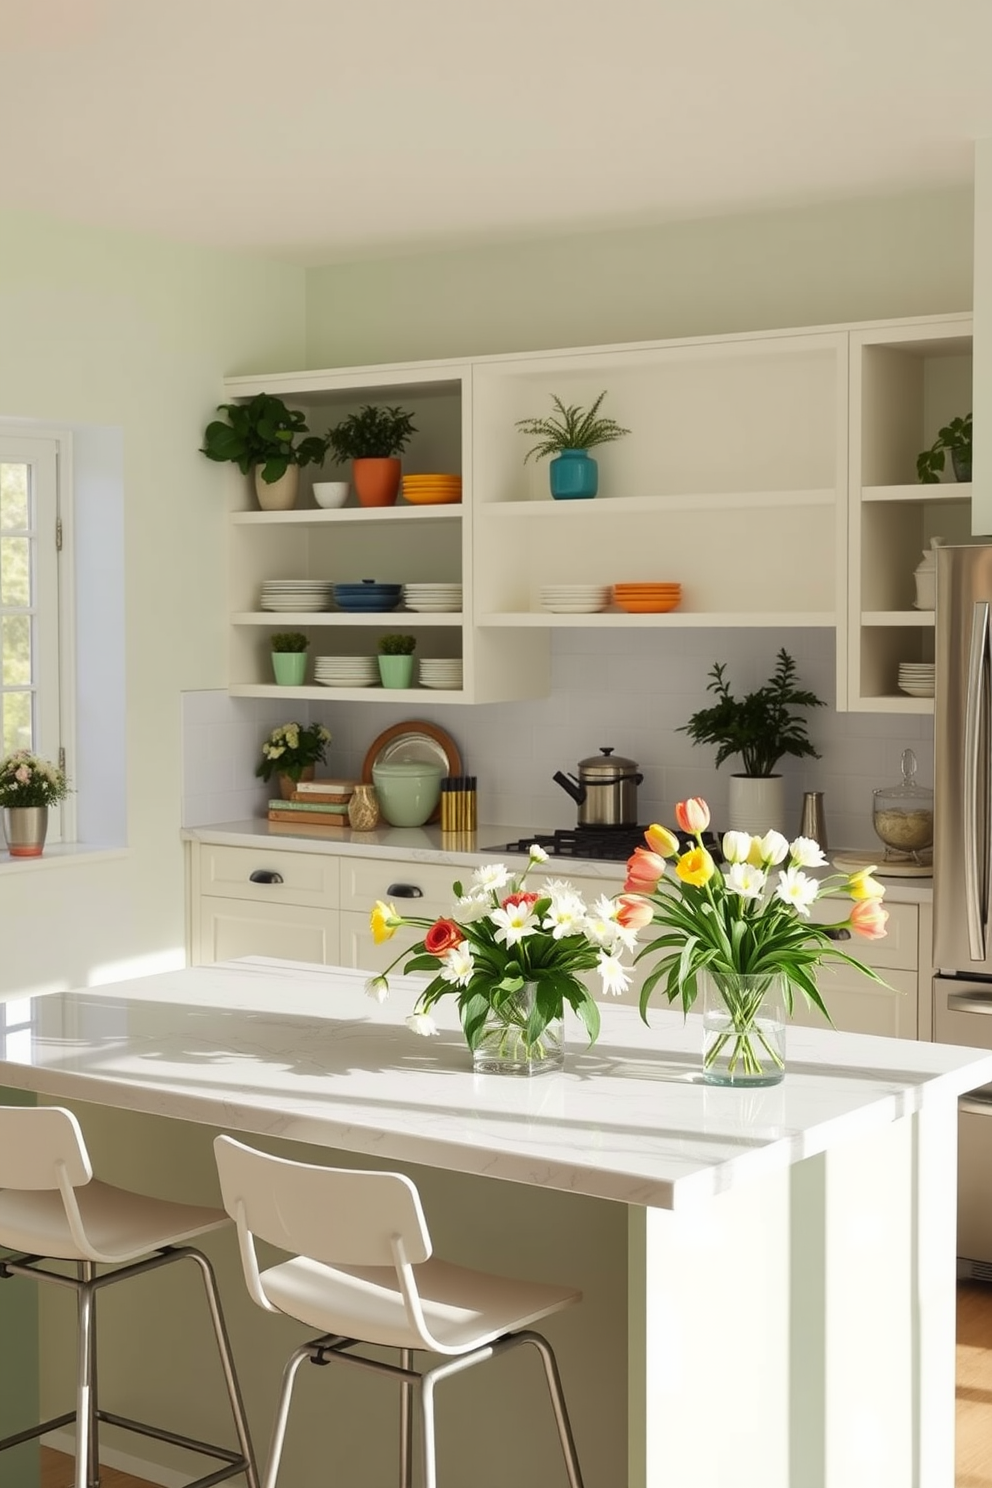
[[289, 657], [954, 437], [569, 435], [761, 727], [373, 439], [396, 660], [261, 435]]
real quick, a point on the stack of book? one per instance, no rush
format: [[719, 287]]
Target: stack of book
[[315, 803]]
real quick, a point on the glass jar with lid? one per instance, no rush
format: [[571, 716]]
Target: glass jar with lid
[[902, 816]]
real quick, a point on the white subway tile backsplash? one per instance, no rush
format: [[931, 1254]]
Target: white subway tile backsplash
[[632, 690]]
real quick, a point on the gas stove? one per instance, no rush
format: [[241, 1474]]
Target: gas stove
[[613, 844]]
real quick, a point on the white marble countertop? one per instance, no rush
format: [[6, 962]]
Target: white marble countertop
[[428, 845], [300, 1052]]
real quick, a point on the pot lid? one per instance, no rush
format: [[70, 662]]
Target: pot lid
[[606, 765]]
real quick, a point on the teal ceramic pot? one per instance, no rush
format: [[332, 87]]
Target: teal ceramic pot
[[408, 791], [573, 474]]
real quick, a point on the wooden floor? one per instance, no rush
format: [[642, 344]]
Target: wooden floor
[[974, 1403]]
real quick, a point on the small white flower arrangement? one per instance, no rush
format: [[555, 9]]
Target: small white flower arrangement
[[291, 747], [28, 780]]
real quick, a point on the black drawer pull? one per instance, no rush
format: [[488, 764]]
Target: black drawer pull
[[404, 891], [265, 875], [839, 934]]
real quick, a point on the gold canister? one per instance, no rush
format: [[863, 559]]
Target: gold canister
[[363, 808]]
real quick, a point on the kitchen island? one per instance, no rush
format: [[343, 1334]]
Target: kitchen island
[[789, 1252]]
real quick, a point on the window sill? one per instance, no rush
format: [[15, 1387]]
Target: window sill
[[61, 855]]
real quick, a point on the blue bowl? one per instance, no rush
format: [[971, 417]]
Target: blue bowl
[[367, 602]]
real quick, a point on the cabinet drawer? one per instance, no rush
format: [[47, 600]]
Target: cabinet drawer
[[229, 929], [364, 880], [309, 879], [858, 1005]]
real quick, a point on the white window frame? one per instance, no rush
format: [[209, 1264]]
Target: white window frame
[[49, 453]]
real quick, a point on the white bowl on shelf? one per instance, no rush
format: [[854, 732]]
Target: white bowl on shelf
[[331, 493]]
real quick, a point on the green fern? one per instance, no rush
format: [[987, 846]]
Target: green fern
[[574, 428]]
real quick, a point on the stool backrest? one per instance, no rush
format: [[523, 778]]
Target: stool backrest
[[42, 1147], [335, 1215]]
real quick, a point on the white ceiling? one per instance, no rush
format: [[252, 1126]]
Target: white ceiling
[[316, 130]]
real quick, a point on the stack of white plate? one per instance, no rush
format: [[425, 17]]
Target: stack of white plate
[[443, 671], [297, 594], [916, 678], [434, 597], [346, 671], [574, 599]]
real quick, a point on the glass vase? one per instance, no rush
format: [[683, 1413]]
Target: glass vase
[[505, 1049], [743, 1027]]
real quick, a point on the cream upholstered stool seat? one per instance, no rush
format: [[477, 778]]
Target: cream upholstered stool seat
[[362, 1272], [52, 1208]]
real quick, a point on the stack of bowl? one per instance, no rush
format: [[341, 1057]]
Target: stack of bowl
[[441, 671], [346, 671], [574, 599], [647, 599], [367, 596], [434, 597], [432, 490]]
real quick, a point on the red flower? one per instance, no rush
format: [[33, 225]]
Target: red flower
[[643, 872], [692, 815], [868, 919], [525, 899], [442, 936]]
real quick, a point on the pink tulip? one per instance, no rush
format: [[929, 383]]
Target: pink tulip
[[868, 919], [644, 869], [633, 912], [693, 815]]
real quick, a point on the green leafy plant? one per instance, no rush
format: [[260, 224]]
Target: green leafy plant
[[762, 726], [373, 433], [289, 640], [955, 437], [262, 432], [28, 780], [573, 428], [397, 645], [291, 747]]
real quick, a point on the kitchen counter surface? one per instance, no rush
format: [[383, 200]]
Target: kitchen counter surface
[[428, 845], [300, 1051]]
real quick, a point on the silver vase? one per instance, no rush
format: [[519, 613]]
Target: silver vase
[[25, 828]]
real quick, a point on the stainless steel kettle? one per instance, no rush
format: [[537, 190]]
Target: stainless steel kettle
[[605, 789]]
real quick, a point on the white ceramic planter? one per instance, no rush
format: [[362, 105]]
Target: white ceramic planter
[[277, 495], [757, 804]]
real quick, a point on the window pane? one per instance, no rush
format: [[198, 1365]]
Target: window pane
[[15, 572], [13, 497], [15, 650], [16, 721]]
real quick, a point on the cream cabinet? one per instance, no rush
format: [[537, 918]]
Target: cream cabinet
[[247, 901], [856, 1003]]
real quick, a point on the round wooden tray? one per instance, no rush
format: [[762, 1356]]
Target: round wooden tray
[[853, 862], [415, 740]]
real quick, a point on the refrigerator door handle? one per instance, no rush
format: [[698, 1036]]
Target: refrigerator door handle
[[969, 1002], [977, 912]]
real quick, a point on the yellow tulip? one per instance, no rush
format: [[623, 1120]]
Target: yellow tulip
[[661, 840], [384, 922], [695, 867], [861, 885]]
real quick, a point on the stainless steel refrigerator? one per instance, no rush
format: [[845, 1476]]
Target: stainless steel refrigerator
[[962, 882]]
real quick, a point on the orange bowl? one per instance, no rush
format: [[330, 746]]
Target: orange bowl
[[430, 497], [647, 606]]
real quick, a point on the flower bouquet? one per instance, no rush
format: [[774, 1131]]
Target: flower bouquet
[[293, 748], [513, 957], [742, 934], [27, 780]]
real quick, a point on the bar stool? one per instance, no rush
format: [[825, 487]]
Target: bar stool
[[363, 1273], [52, 1208]]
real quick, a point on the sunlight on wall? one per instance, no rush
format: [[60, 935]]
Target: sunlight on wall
[[173, 959]]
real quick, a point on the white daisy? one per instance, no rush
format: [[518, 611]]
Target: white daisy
[[566, 916], [492, 876], [615, 977], [472, 907], [746, 881], [514, 924], [458, 965], [423, 1024], [537, 854], [806, 852], [798, 889]]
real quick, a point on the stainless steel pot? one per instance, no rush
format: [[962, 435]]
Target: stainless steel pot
[[605, 789]]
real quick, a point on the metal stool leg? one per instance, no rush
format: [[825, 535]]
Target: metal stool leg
[[562, 1421], [86, 1272], [85, 1405], [227, 1362], [427, 1430], [282, 1414], [406, 1423]]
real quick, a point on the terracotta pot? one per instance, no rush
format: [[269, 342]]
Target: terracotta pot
[[287, 784], [277, 495], [376, 482]]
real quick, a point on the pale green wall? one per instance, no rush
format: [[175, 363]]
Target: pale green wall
[[105, 328], [858, 260]]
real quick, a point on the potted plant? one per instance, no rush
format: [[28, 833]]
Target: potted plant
[[291, 753], [569, 435], [373, 439], [260, 435], [28, 786], [761, 727], [954, 437], [396, 660], [289, 657]]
